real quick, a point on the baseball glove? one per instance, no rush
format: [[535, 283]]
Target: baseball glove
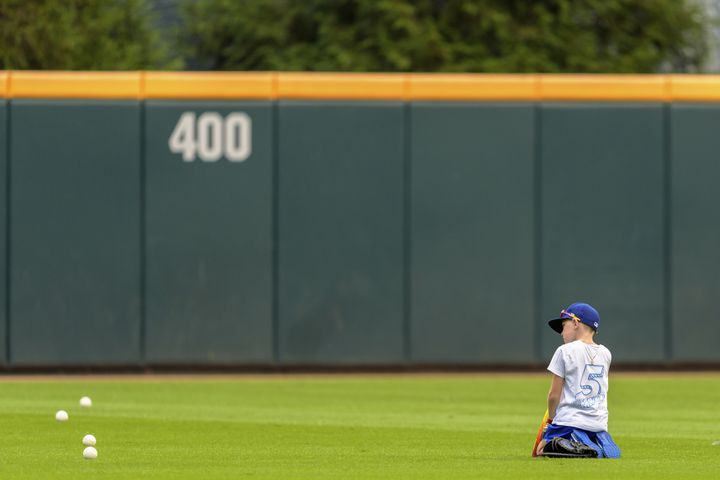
[[564, 448]]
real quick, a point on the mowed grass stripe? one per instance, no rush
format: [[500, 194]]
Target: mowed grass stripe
[[346, 427]]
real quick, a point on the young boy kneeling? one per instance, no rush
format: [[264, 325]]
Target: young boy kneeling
[[577, 402]]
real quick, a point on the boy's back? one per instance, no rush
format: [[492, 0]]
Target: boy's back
[[585, 368]]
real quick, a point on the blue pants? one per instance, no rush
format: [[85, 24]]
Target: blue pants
[[601, 442]]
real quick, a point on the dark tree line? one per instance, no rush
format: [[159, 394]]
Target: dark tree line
[[583, 36]]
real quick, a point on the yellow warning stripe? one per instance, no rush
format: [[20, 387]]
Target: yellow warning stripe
[[344, 86], [357, 86], [605, 87], [3, 83], [50, 84], [209, 85]]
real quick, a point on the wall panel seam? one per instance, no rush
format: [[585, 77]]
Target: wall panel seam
[[667, 214], [407, 234], [7, 253], [275, 235], [537, 227], [143, 238]]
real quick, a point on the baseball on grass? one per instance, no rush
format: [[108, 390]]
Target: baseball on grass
[[61, 416], [716, 443], [85, 402], [90, 453], [89, 440]]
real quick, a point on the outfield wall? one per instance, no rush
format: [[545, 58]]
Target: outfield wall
[[354, 219]]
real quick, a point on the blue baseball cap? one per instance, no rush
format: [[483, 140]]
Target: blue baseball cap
[[577, 311]]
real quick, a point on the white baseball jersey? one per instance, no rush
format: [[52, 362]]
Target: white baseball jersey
[[583, 403]]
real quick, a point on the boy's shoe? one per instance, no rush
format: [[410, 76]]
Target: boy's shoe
[[562, 447]]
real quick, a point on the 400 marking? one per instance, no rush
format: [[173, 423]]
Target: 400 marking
[[210, 137]]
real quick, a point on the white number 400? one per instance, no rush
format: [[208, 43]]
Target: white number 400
[[212, 137]]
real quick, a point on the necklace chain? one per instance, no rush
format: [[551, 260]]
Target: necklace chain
[[588, 349]]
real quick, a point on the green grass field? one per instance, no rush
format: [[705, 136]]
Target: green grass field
[[341, 427]]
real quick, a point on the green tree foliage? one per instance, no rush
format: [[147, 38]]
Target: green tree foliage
[[583, 36], [80, 35]]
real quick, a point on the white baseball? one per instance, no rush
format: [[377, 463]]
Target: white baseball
[[61, 416], [89, 440], [90, 453]]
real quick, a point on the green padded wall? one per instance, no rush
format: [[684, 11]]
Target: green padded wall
[[341, 191], [354, 232], [209, 242], [695, 237], [472, 232], [603, 222], [75, 237], [3, 231]]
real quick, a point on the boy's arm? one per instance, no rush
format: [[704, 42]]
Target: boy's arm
[[554, 394]]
